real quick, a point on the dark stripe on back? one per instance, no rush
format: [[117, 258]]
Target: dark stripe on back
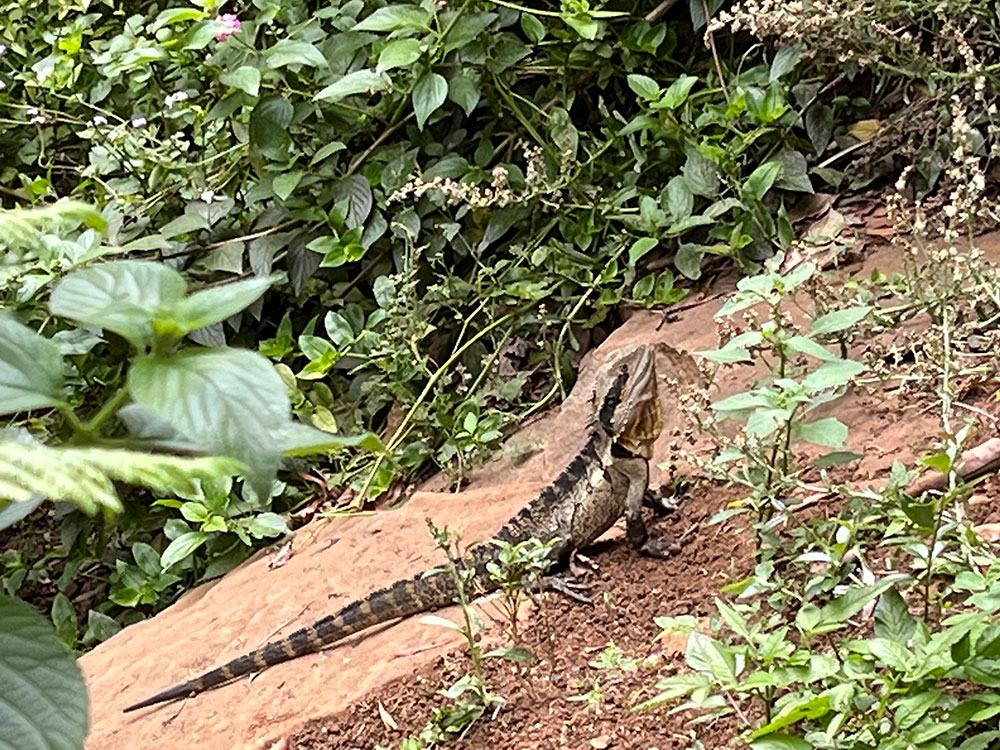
[[612, 399]]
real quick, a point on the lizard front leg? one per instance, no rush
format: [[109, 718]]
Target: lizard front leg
[[636, 472]]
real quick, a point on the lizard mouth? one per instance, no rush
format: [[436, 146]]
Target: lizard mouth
[[640, 411]]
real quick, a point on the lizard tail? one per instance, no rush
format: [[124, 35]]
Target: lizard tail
[[403, 598]]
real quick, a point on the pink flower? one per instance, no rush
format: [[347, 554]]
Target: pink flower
[[232, 25]]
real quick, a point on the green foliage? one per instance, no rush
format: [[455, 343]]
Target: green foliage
[[518, 570], [43, 705]]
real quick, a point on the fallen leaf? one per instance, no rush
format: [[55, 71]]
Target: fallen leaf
[[601, 743], [988, 531], [282, 556], [865, 129], [386, 718]]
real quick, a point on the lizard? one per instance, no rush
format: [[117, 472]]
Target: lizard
[[607, 479]]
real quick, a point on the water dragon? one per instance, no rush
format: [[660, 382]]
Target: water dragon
[[608, 478]]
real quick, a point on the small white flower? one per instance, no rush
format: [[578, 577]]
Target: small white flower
[[208, 196], [3, 48], [172, 99], [138, 122], [99, 120], [34, 115], [45, 71], [2, 85]]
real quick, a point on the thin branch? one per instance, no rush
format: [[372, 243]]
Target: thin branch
[[378, 142]]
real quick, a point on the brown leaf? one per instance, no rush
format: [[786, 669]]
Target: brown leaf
[[386, 719], [601, 743]]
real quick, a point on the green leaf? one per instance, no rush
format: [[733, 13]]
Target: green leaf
[[86, 476], [644, 86], [211, 305], [794, 174], [688, 259], [811, 708], [182, 547], [532, 28], [761, 180], [429, 93], [291, 52], [398, 54], [805, 345], [31, 368], [284, 184], [893, 619], [710, 657], [43, 703], [785, 61], [175, 15], [230, 401], [819, 126], [678, 91], [360, 81], [464, 91], [394, 17], [701, 175], [846, 606], [269, 123], [119, 296], [442, 622], [839, 320], [302, 440], [202, 34], [781, 742], [639, 248], [266, 525], [358, 193], [829, 432], [245, 78], [100, 627], [833, 374], [680, 200]]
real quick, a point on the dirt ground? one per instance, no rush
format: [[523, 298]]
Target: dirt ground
[[332, 699]]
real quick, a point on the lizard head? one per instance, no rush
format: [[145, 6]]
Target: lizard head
[[631, 409]]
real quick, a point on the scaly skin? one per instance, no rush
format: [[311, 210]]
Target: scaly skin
[[605, 480]]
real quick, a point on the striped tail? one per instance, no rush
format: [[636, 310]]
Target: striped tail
[[403, 598]]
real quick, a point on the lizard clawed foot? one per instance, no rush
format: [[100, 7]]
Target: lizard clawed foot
[[568, 586], [662, 547]]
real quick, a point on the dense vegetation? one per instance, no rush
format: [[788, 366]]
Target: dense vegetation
[[429, 212]]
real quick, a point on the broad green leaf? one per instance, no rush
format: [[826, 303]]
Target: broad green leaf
[[913, 708], [429, 93], [43, 703], [210, 305], [285, 183], [357, 192], [781, 742], [360, 81], [688, 259], [833, 374], [202, 34], [464, 90], [291, 52], [710, 657], [175, 15], [805, 345], [230, 401], [761, 179], [86, 476], [811, 708], [442, 622], [639, 248], [839, 320], [644, 86], [829, 432], [393, 17], [532, 27], [846, 606], [245, 78], [182, 547], [265, 525], [31, 368], [892, 617], [100, 627], [398, 54], [119, 296], [981, 741], [678, 91], [22, 227], [303, 440], [794, 173], [701, 175], [785, 61], [680, 199], [269, 123], [819, 126]]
